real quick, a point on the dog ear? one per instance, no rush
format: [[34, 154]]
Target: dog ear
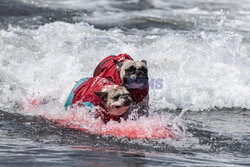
[[102, 96], [118, 64], [145, 62]]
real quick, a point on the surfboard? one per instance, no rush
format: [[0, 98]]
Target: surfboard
[[149, 130], [126, 129]]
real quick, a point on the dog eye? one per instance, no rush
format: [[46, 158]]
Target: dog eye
[[144, 70], [126, 95], [131, 69], [116, 97]]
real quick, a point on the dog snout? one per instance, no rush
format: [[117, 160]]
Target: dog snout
[[127, 100], [141, 75], [139, 72]]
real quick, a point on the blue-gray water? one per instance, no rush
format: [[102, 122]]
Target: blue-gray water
[[199, 48]]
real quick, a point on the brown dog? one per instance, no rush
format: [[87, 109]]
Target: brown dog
[[123, 70]]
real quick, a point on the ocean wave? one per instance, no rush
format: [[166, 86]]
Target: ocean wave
[[200, 71]]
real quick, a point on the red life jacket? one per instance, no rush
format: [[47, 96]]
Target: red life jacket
[[85, 93], [106, 68]]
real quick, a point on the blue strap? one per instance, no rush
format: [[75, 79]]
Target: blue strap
[[88, 105], [71, 95]]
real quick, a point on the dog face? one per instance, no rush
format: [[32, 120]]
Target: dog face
[[116, 99], [132, 73]]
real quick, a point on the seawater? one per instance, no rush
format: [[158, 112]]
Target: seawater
[[198, 49]]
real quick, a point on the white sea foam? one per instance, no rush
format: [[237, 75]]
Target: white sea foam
[[159, 129], [200, 72]]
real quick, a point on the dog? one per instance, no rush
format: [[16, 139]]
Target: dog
[[112, 100], [133, 74], [123, 70]]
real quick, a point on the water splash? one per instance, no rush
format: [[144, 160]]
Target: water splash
[[154, 127], [199, 72]]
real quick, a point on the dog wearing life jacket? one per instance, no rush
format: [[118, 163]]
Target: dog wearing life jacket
[[123, 70], [112, 101]]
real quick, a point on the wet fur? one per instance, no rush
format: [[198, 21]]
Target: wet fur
[[133, 70], [115, 100], [139, 72]]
